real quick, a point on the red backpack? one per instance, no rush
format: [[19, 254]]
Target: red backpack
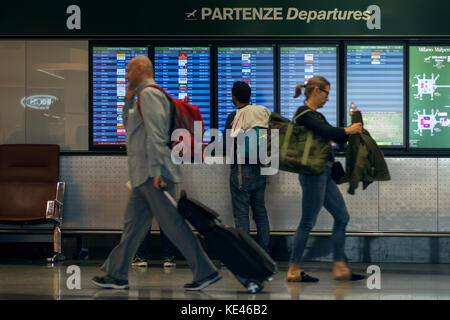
[[183, 117]]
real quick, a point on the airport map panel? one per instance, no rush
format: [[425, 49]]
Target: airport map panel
[[429, 97]]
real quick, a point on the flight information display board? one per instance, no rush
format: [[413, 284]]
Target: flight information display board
[[375, 84], [109, 66], [298, 65], [429, 96], [254, 65], [186, 71]]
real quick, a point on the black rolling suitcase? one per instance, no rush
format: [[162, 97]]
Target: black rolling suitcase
[[249, 263]]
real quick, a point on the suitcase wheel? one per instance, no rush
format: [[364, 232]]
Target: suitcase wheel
[[254, 286]]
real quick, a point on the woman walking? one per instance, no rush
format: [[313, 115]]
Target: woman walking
[[321, 190]]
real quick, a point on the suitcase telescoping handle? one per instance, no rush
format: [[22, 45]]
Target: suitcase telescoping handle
[[169, 196]]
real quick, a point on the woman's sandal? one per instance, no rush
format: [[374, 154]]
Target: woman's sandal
[[352, 277], [303, 278], [356, 277], [308, 278]]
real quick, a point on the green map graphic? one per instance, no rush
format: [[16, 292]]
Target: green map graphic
[[429, 97]]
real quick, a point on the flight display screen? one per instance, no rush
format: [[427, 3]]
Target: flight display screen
[[375, 84], [109, 66], [429, 96], [298, 65], [254, 65], [186, 71]]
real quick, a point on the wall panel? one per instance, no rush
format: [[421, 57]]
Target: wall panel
[[12, 91], [409, 201], [443, 178], [58, 69], [96, 196]]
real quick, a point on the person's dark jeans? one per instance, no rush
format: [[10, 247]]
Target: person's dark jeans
[[247, 189], [320, 190], [168, 250]]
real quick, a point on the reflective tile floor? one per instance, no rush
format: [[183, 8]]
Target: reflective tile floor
[[32, 280]]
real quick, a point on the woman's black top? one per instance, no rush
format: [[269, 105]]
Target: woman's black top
[[316, 122]]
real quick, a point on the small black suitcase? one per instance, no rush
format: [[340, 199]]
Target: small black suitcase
[[243, 256]]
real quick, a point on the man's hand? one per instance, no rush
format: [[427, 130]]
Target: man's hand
[[158, 182], [130, 92]]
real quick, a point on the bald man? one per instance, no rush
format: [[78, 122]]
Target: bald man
[[150, 168]]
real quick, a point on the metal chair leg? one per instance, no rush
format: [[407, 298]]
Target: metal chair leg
[[57, 255]]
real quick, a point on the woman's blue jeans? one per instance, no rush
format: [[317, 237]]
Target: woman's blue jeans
[[320, 190]]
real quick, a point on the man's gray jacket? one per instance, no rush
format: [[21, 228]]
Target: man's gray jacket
[[148, 138]]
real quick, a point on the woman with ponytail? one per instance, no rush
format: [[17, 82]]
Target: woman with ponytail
[[321, 190]]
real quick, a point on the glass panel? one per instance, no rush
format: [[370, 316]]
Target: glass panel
[[57, 93], [109, 64], [375, 85], [185, 71], [429, 97], [12, 90], [298, 65], [253, 65]]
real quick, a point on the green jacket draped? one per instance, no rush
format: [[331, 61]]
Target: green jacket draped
[[364, 161]]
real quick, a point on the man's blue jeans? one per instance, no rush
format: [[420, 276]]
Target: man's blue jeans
[[247, 188], [320, 190]]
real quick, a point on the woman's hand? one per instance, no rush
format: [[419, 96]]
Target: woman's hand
[[353, 108], [355, 128]]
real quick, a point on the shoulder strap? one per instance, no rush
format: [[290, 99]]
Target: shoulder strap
[[301, 113], [171, 102], [153, 86]]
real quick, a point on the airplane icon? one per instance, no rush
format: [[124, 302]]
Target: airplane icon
[[190, 14]]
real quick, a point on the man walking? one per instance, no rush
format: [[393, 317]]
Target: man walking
[[150, 169]]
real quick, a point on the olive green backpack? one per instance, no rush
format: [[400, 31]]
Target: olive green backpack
[[300, 150]]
